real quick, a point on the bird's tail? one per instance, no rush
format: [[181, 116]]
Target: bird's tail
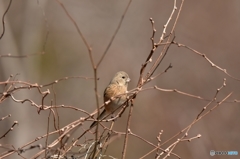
[[101, 116]]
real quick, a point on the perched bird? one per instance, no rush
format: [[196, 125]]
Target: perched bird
[[117, 86]]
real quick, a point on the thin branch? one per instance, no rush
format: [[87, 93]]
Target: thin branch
[[19, 56], [7, 116], [3, 17], [114, 35], [10, 129], [207, 59], [195, 121], [79, 32], [127, 131], [46, 25]]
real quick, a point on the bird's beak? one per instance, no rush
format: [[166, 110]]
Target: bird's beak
[[128, 80]]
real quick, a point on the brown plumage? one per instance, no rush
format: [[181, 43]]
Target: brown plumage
[[117, 86]]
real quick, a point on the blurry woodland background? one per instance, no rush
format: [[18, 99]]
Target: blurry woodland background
[[210, 27]]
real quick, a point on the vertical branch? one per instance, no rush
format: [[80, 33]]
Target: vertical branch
[[166, 47], [48, 125], [4, 14], [92, 62], [98, 112], [149, 58], [169, 19], [127, 131], [46, 25], [175, 23]]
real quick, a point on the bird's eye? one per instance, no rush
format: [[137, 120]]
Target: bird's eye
[[123, 77]]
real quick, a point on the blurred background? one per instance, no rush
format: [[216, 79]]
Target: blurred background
[[210, 27]]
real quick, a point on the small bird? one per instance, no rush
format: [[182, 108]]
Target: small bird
[[117, 86]]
